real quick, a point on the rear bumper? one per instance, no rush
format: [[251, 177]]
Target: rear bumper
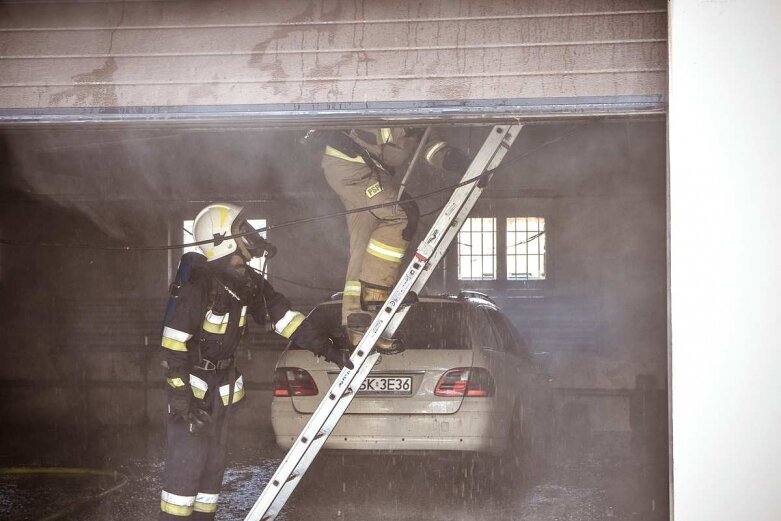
[[471, 431]]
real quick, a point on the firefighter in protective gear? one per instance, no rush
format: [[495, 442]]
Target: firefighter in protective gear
[[359, 165], [204, 323]]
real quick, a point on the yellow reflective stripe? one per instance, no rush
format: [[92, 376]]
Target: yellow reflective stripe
[[238, 391], [238, 395], [204, 507], [175, 334], [173, 345], [292, 326], [216, 324], [288, 324], [206, 503], [175, 510], [352, 288], [176, 505], [383, 251], [331, 151], [386, 135], [198, 386], [433, 150], [175, 382], [389, 248], [214, 318], [382, 256], [217, 329], [202, 497], [243, 319]]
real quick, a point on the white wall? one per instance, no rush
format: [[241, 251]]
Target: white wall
[[725, 204]]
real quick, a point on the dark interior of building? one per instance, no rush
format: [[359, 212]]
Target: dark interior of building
[[81, 380]]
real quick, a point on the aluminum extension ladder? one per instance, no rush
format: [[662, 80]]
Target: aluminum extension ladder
[[343, 390]]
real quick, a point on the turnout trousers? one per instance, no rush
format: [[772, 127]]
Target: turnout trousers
[[377, 237], [195, 464]]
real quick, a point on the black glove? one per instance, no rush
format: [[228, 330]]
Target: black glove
[[455, 160], [340, 357], [199, 422], [311, 336], [179, 402], [314, 337]]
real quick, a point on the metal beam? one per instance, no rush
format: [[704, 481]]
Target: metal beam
[[335, 114]]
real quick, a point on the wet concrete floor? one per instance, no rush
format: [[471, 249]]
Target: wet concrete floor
[[351, 487]]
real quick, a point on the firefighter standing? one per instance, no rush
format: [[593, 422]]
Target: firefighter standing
[[359, 165], [204, 324]]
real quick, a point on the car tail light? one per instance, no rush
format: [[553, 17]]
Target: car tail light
[[293, 381], [466, 381], [481, 383]]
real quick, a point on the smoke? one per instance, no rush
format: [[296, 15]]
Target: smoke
[[94, 172]]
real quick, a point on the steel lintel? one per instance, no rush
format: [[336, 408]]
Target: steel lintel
[[333, 114]]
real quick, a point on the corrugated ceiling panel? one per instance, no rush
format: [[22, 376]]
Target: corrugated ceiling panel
[[161, 53]]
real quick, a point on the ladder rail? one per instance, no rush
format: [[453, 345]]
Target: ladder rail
[[447, 239], [343, 390], [308, 457]]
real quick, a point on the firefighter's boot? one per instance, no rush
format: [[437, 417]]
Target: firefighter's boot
[[372, 299], [358, 324]]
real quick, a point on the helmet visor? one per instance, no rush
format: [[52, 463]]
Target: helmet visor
[[255, 244]]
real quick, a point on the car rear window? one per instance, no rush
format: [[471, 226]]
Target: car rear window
[[428, 325]]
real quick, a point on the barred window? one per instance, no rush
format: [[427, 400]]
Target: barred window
[[187, 237], [525, 248], [477, 249]]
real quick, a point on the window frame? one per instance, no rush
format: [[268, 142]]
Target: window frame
[[501, 282], [506, 253], [495, 254]]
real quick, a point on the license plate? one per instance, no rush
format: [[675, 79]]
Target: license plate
[[387, 385]]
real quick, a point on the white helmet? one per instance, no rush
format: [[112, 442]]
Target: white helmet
[[220, 220], [214, 222]]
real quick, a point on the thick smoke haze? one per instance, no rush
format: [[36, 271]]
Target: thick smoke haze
[[90, 318]]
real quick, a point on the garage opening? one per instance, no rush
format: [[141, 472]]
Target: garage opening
[[560, 274]]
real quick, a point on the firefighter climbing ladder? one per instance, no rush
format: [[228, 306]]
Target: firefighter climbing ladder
[[343, 390]]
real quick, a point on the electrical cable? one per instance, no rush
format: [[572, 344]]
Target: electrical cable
[[296, 222], [301, 284], [263, 273], [70, 471], [242, 234]]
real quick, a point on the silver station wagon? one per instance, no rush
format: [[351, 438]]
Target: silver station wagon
[[465, 382]]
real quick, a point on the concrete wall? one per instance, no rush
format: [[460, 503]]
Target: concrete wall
[[81, 326]]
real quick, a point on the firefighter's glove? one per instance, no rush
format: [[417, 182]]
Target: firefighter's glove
[[340, 357], [199, 422], [311, 335], [179, 402], [455, 161]]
